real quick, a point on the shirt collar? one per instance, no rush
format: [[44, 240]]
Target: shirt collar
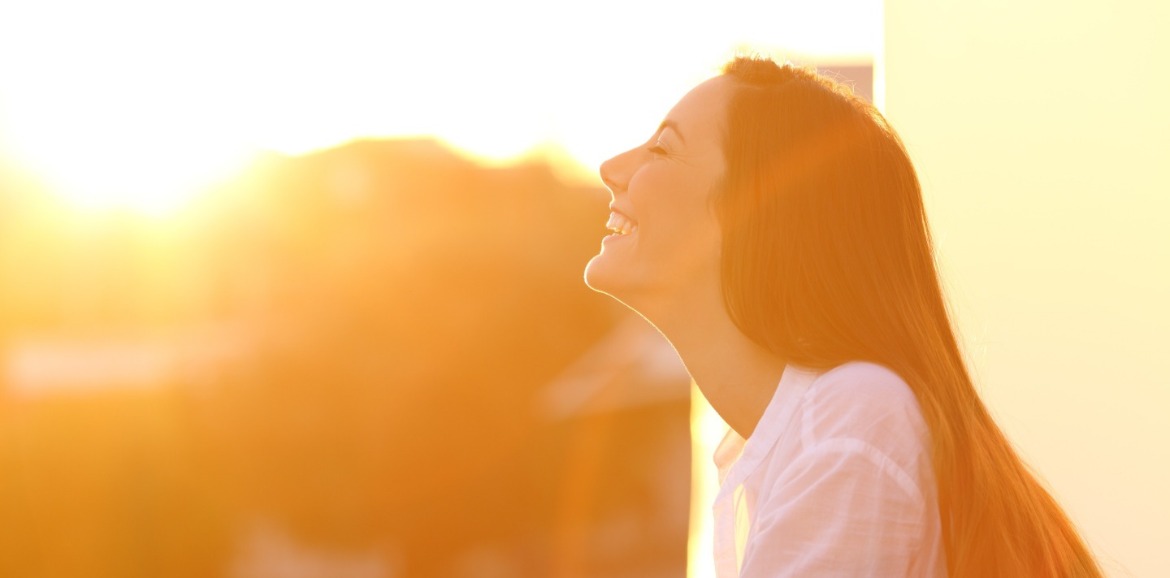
[[736, 457]]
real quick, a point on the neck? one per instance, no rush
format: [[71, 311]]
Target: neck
[[737, 376]]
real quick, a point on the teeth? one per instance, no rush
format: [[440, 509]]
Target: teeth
[[620, 224]]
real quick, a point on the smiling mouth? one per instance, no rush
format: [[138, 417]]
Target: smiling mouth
[[620, 224]]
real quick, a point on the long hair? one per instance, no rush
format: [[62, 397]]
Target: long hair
[[827, 258]]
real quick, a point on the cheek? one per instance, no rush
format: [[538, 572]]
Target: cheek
[[678, 228]]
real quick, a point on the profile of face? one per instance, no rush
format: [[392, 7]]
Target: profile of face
[[667, 239]]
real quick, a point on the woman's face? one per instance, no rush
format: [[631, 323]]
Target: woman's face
[[661, 201]]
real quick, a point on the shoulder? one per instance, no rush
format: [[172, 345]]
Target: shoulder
[[870, 381], [867, 402]]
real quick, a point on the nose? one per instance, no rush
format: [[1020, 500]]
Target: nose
[[616, 172]]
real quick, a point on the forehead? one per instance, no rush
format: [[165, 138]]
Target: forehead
[[700, 113]]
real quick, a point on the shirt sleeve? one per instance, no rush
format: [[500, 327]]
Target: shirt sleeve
[[841, 508]]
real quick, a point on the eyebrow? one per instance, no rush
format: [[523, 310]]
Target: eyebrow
[[673, 126]]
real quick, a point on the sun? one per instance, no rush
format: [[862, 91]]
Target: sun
[[125, 178], [123, 159]]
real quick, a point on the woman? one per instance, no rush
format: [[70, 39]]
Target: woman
[[773, 230]]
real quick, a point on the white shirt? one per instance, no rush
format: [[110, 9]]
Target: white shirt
[[836, 480]]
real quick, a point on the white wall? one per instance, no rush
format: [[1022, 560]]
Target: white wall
[[1041, 132]]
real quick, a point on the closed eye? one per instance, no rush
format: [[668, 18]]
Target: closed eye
[[657, 150]]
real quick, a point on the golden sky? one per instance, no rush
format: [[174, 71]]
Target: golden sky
[[140, 104]]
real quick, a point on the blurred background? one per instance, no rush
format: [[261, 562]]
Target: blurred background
[[294, 289]]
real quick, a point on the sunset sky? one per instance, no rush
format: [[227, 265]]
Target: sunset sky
[[141, 104]]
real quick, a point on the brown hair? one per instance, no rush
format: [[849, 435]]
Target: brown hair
[[827, 258]]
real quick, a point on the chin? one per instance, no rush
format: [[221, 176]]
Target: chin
[[604, 276], [598, 275]]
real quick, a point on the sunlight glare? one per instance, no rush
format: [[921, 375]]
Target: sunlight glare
[[142, 112], [116, 169]]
